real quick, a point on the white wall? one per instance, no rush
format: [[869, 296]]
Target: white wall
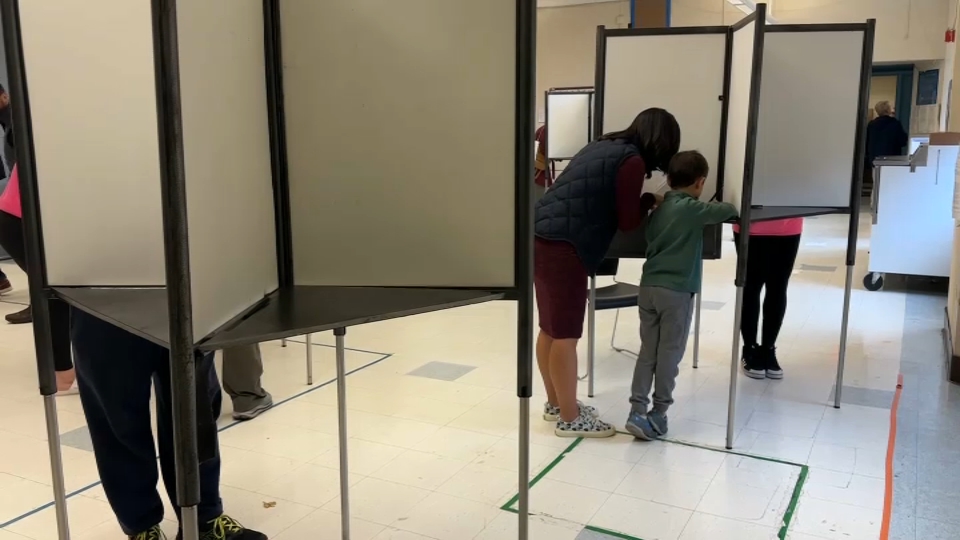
[[907, 30], [567, 44]]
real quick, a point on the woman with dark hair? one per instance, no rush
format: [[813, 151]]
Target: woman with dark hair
[[598, 193]]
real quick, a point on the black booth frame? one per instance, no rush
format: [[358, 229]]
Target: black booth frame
[[633, 245], [750, 213], [141, 310]]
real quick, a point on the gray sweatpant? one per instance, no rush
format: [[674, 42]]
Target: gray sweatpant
[[242, 370], [664, 326]]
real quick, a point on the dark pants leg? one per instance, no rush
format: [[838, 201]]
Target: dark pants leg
[[11, 238], [115, 370], [770, 264], [752, 288], [783, 255]]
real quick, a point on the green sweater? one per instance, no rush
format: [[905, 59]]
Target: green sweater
[[675, 240]]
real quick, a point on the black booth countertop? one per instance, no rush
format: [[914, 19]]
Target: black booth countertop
[[285, 313]]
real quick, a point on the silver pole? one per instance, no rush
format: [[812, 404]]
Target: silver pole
[[56, 466], [696, 330], [283, 342], [848, 286], [310, 359], [342, 415], [591, 334], [523, 531], [734, 370], [190, 523]]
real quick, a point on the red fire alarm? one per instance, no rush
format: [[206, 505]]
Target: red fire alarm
[[951, 35]]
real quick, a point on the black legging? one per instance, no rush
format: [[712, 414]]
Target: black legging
[[769, 265], [11, 239]]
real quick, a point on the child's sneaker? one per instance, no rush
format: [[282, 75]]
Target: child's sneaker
[[774, 371], [753, 365], [640, 427], [153, 534], [586, 426], [551, 413], [658, 421]]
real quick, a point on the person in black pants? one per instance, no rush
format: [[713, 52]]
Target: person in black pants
[[770, 258], [115, 370]]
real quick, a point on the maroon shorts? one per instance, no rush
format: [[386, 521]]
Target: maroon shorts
[[561, 284]]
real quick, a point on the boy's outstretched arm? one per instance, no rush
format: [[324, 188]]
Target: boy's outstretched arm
[[712, 213]]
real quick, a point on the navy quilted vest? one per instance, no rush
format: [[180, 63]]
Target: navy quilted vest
[[581, 207]]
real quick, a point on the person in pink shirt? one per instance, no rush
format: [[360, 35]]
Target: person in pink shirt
[[11, 238], [772, 252]]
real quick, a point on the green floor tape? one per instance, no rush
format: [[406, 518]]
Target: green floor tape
[[787, 516]]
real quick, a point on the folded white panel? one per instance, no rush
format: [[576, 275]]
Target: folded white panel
[[401, 141], [568, 123], [682, 73], [89, 68], [738, 112], [809, 113], [230, 208]]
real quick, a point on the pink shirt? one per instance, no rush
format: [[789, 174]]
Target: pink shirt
[[779, 227], [10, 199]]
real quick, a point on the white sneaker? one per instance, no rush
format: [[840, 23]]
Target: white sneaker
[[586, 426], [552, 413]]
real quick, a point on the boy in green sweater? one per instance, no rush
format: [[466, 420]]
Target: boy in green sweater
[[671, 276]]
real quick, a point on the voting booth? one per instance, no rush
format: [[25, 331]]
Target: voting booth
[[777, 110], [569, 120], [226, 172]]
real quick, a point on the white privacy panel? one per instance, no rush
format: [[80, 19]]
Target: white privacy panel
[[400, 131], [568, 123], [809, 112], [233, 261], [738, 112], [681, 73], [89, 67]]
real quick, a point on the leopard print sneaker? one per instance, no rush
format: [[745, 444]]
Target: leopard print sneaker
[[551, 413], [586, 426]]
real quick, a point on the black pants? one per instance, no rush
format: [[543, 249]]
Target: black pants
[[115, 370], [769, 265], [12, 241]]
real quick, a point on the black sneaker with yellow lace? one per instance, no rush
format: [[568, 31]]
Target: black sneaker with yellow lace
[[153, 534], [224, 528]]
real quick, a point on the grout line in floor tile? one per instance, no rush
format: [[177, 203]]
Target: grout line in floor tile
[[82, 490]]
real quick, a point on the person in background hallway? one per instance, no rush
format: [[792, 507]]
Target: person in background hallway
[[670, 279], [773, 250], [9, 157], [885, 137], [116, 370], [542, 177], [598, 193], [242, 370], [12, 241]]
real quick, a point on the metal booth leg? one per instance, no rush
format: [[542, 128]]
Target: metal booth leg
[[591, 334], [523, 507], [696, 329], [342, 416], [309, 341], [56, 466], [283, 342], [734, 369], [845, 322]]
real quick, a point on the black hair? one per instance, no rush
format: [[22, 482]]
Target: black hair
[[686, 168], [656, 133]]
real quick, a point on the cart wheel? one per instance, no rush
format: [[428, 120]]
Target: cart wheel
[[873, 281]]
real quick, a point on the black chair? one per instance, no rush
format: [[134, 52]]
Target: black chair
[[619, 296]]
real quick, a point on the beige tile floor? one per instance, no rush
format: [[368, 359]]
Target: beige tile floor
[[435, 459]]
